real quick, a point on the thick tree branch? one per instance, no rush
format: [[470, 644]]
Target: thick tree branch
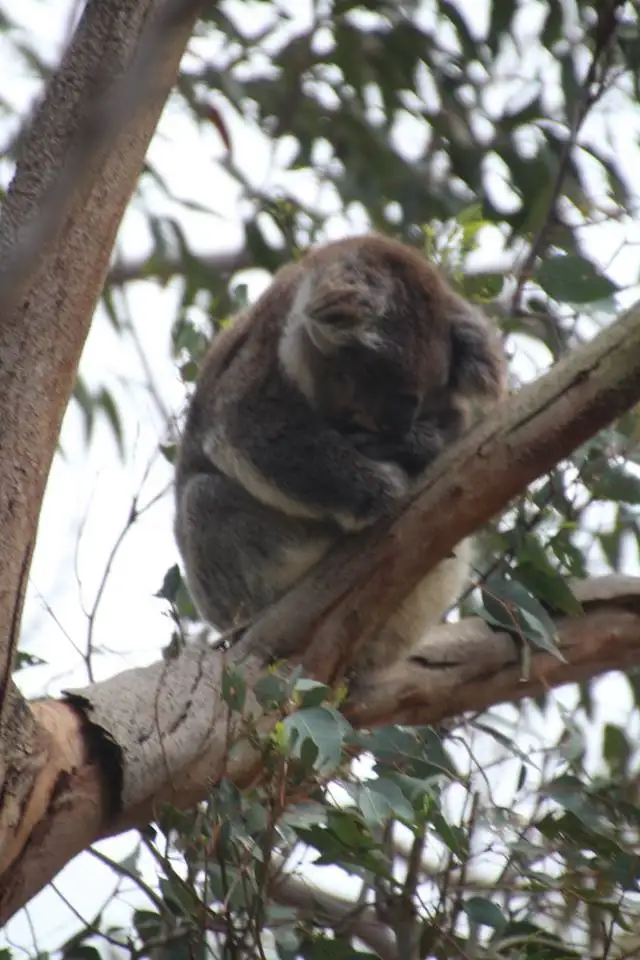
[[467, 666], [160, 733], [119, 101], [57, 228], [162, 268], [320, 907]]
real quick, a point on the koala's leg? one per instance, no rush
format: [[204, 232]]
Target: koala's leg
[[423, 609]]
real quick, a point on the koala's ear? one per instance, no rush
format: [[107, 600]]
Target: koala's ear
[[478, 365], [336, 313]]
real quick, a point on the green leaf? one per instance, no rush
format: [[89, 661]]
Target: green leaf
[[189, 371], [454, 837], [86, 402], [535, 571], [381, 800], [147, 923], [325, 727], [310, 693], [271, 691], [24, 659], [170, 584], [570, 793], [169, 451], [616, 749], [522, 777], [234, 689], [572, 279], [483, 287], [502, 13], [508, 604], [345, 842], [105, 401], [457, 19], [482, 911], [618, 485], [553, 23], [550, 586], [81, 951]]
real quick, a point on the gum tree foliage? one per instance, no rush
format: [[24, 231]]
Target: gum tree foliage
[[450, 132]]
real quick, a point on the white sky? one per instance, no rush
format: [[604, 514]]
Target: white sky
[[90, 492]]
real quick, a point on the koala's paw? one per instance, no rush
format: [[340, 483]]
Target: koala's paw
[[387, 485], [411, 453]]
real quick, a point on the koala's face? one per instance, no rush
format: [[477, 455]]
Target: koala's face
[[375, 362], [368, 389]]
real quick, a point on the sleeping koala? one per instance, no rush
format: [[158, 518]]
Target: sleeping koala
[[313, 416]]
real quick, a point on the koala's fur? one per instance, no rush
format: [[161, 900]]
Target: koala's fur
[[313, 415]]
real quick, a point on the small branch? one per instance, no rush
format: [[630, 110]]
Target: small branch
[[159, 733], [467, 666], [321, 907], [146, 268]]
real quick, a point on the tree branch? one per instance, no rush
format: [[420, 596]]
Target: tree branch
[[120, 100], [360, 921], [146, 268], [467, 666], [331, 614], [160, 733], [57, 227]]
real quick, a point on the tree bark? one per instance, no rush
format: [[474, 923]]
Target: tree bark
[[116, 750], [57, 228]]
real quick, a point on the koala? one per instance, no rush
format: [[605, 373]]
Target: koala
[[314, 415]]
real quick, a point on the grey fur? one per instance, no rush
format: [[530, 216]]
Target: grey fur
[[313, 415]]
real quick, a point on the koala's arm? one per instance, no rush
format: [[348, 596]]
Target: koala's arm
[[278, 448], [414, 451]]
